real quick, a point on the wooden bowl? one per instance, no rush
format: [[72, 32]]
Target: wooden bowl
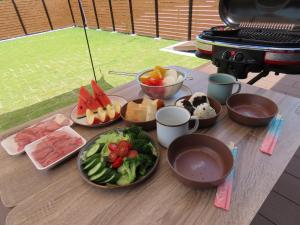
[[200, 161], [251, 110], [204, 123], [147, 125], [111, 186]]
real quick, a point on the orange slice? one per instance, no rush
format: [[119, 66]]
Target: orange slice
[[161, 70]]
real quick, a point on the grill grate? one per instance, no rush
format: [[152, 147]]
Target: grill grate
[[269, 37]]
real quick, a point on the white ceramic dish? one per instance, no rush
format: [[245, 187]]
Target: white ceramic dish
[[11, 147], [82, 121], [29, 149]]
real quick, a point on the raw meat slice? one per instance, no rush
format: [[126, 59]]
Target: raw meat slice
[[54, 147]]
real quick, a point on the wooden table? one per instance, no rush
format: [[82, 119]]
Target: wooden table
[[60, 196]]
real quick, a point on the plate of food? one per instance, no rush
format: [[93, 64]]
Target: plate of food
[[200, 105], [15, 144], [98, 109], [118, 158], [141, 112]]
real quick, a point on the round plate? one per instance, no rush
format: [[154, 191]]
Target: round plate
[[111, 186], [82, 121], [184, 91]]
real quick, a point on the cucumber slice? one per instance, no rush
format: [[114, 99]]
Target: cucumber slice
[[95, 169], [91, 158], [111, 178], [98, 175], [108, 173], [92, 150], [91, 164]]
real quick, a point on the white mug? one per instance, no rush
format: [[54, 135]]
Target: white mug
[[173, 122]]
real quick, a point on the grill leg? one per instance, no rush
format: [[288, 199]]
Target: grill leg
[[258, 77]]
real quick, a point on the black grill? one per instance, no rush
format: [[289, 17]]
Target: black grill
[[265, 37]]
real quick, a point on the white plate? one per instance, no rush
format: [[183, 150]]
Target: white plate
[[184, 91], [11, 147], [82, 121], [29, 149]]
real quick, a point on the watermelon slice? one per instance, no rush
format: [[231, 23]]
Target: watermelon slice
[[100, 95], [86, 101]]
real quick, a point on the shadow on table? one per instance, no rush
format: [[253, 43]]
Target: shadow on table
[[11, 119]]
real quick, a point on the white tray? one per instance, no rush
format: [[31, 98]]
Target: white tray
[[30, 148], [9, 144]]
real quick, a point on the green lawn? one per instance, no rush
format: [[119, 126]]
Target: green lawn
[[42, 73]]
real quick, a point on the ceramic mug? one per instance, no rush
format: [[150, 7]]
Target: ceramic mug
[[220, 86], [173, 122]]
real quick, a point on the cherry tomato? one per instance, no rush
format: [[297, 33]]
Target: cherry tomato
[[117, 163], [125, 143], [112, 156], [123, 151], [113, 147], [132, 154]]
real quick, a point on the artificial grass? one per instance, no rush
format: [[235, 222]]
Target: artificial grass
[[41, 73]]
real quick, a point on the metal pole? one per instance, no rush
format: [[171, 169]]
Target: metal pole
[[86, 37], [96, 14], [131, 17], [71, 11], [156, 17], [190, 20], [19, 16], [47, 14], [112, 15]]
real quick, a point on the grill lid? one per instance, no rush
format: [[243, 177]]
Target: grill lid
[[273, 14]]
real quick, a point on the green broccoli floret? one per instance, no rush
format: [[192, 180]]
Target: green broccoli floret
[[146, 163], [133, 131], [128, 171]]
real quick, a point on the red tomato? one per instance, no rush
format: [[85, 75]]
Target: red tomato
[[117, 163], [112, 156], [123, 151], [132, 154], [113, 147], [125, 144]]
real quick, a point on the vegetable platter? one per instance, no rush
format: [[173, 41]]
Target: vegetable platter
[[118, 158]]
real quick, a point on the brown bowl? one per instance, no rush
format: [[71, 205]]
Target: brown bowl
[[200, 161], [147, 125], [112, 186], [250, 109], [204, 123]]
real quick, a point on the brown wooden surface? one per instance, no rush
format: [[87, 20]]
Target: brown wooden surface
[[59, 196]]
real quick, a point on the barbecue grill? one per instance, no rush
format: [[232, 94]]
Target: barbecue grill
[[259, 36]]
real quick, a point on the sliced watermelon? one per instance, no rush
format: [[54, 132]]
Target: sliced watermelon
[[100, 95], [86, 101]]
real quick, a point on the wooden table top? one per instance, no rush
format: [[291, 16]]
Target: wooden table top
[[60, 196]]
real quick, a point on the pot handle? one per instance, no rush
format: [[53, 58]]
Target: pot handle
[[195, 128]]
